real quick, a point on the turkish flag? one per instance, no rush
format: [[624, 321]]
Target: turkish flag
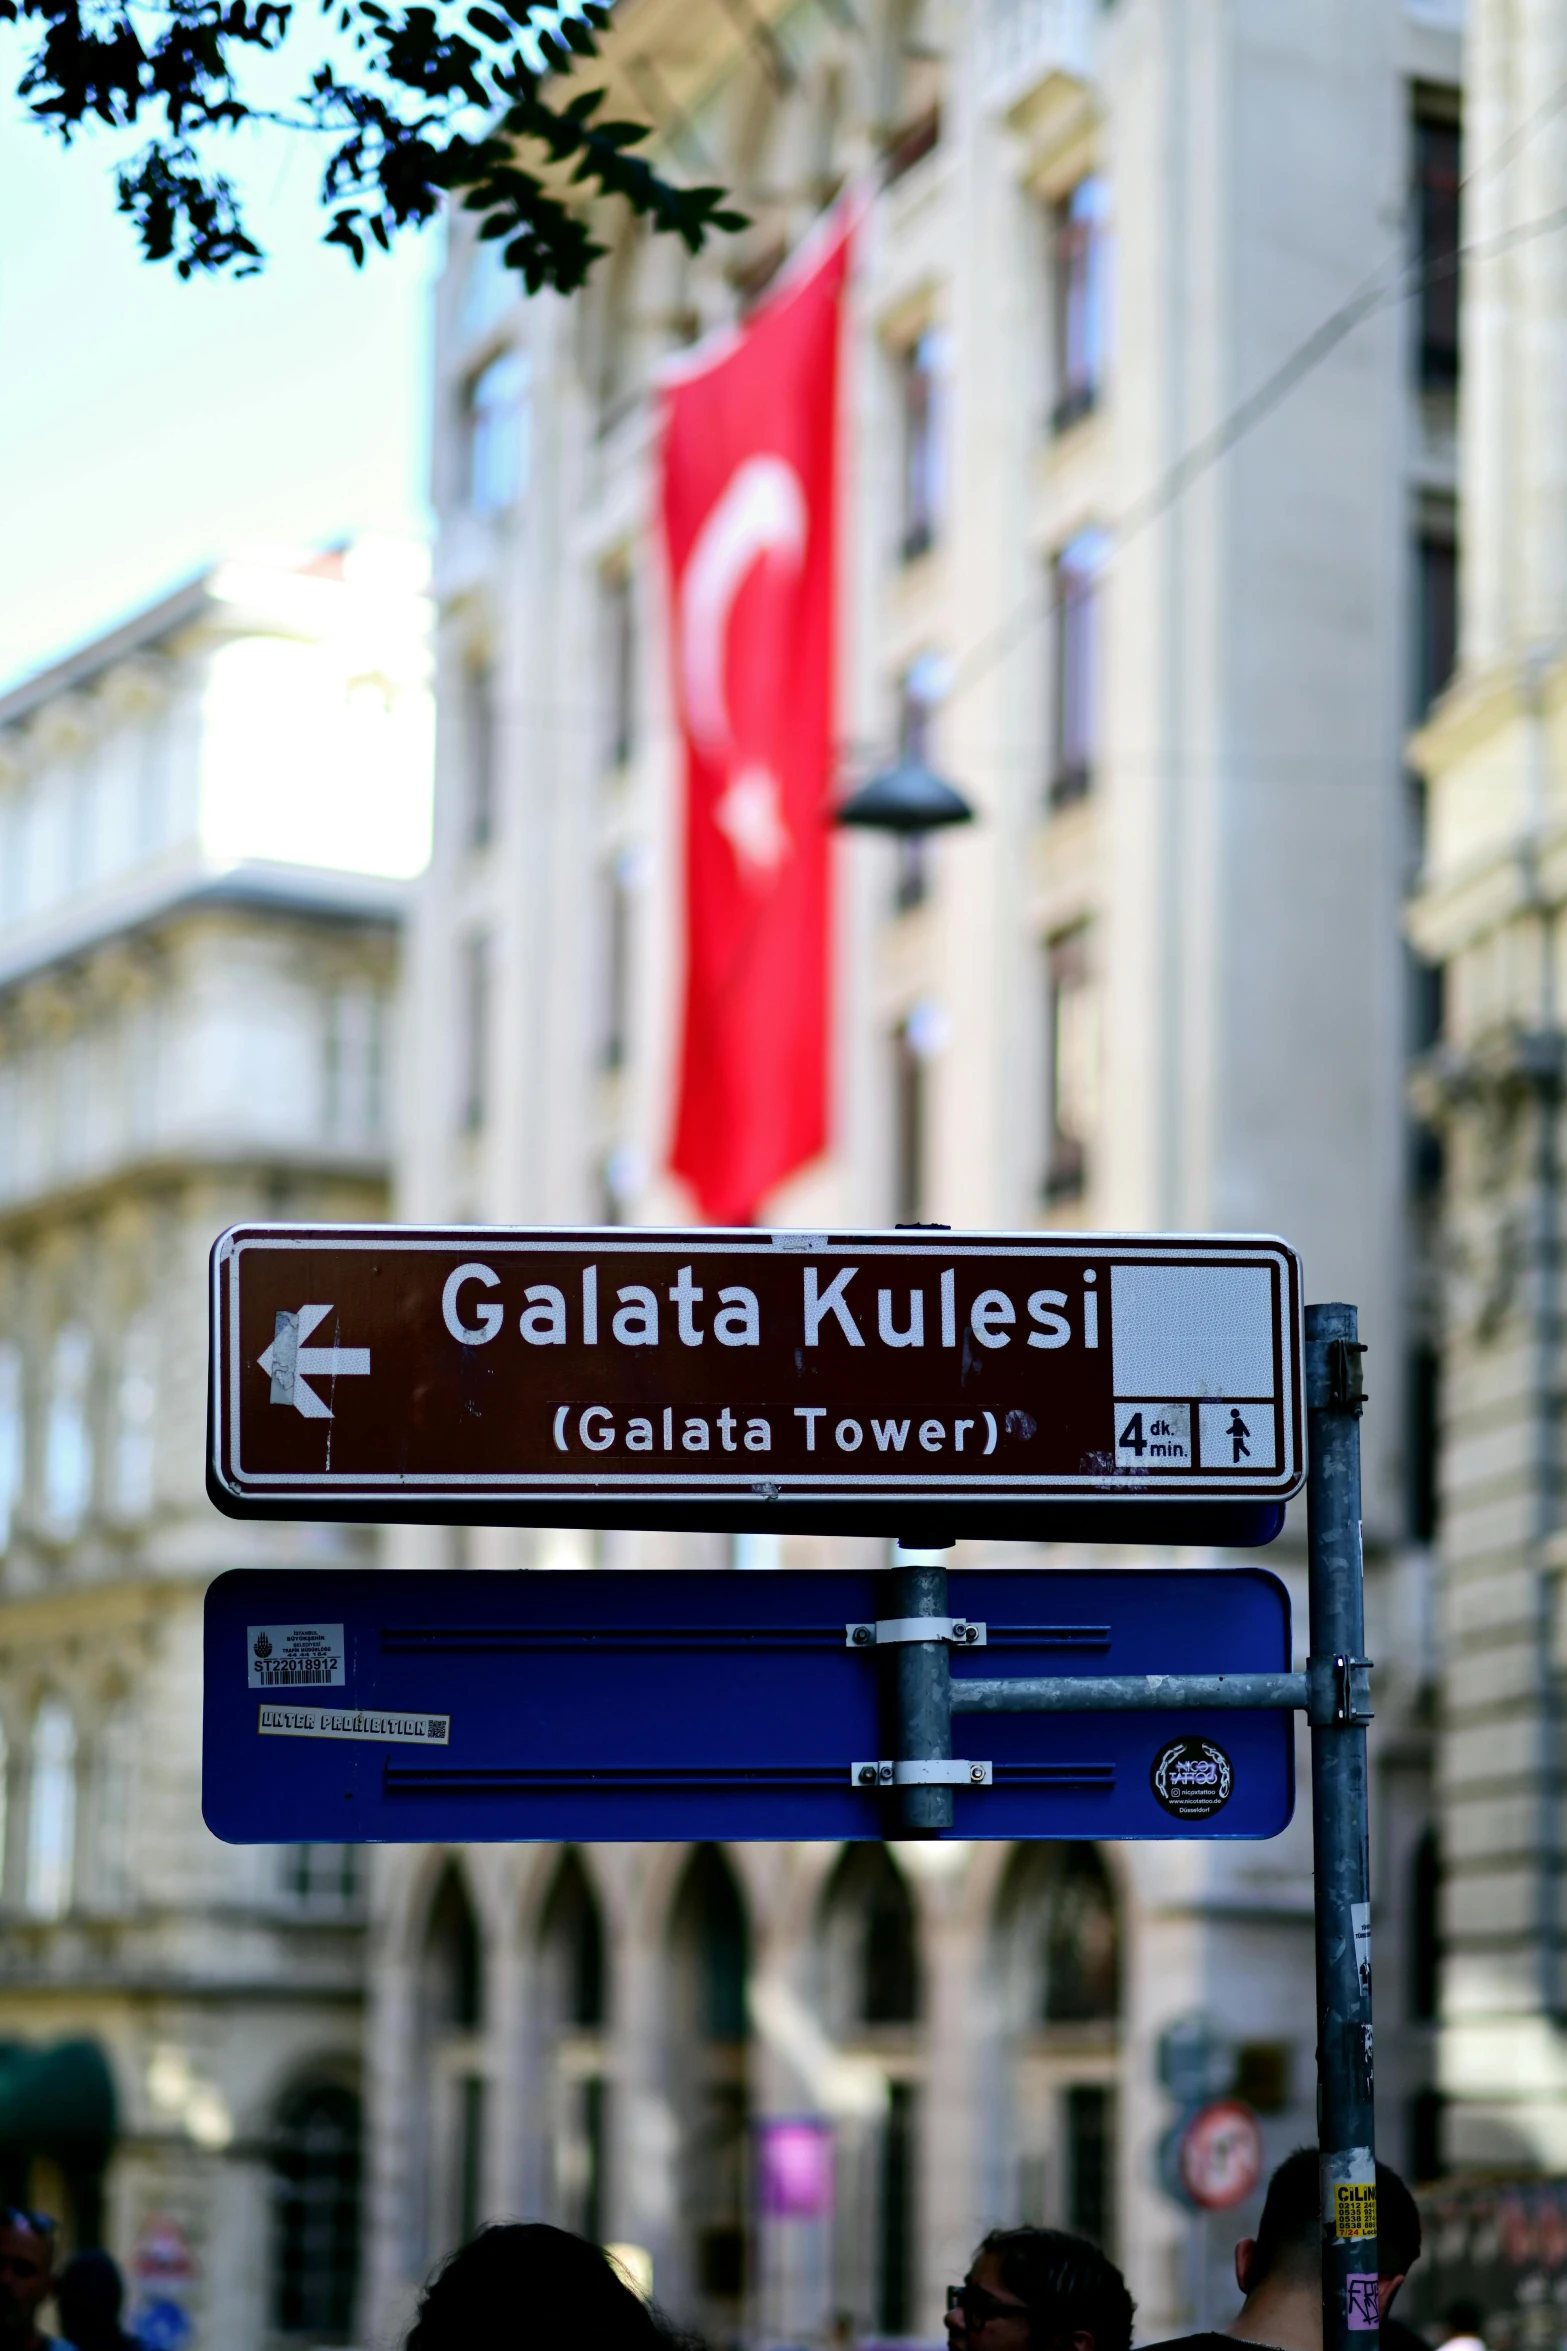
[[750, 498]]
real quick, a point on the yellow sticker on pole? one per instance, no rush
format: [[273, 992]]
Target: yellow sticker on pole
[[1354, 2209]]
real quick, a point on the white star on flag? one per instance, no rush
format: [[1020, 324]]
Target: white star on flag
[[751, 819]]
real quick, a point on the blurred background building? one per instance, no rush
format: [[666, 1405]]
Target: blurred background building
[[207, 821], [1487, 913], [1150, 460]]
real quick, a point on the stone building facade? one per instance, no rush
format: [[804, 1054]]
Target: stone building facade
[[208, 819], [1139, 557], [1487, 914]]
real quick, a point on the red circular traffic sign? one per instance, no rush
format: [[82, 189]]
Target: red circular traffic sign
[[1221, 2155]]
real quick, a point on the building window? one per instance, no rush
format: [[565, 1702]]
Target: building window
[[1425, 1941], [573, 1984], [1089, 2155], [315, 2191], [710, 1951], [68, 1453], [1435, 631], [495, 411], [323, 1877], [1076, 600], [1078, 300], [1438, 172], [1072, 1064], [895, 2252], [452, 2002], [13, 1432], [921, 368], [51, 1812], [1082, 1941], [920, 690], [620, 663], [617, 888], [135, 1414], [1423, 1452], [478, 753], [476, 985], [114, 1807], [355, 1065], [911, 70], [908, 1124]]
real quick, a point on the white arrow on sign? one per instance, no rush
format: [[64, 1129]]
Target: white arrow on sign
[[288, 1359]]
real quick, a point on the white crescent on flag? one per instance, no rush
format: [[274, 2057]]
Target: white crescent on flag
[[761, 511]]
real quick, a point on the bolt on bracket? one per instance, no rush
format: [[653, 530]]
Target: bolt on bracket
[[961, 1632], [934, 1772], [1338, 1692]]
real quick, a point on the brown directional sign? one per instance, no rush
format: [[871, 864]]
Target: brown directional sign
[[907, 1382]]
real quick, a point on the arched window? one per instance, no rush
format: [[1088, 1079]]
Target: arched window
[[452, 2016], [135, 1419], [711, 1926], [710, 1955], [68, 1454], [51, 1812], [1082, 1955], [113, 1806], [315, 2209], [453, 1958], [571, 1956], [572, 1939], [1059, 1943], [872, 1947], [12, 1435]]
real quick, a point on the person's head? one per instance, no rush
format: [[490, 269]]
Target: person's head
[[1040, 2290], [26, 2270], [521, 2281], [1463, 2318], [1286, 2252], [89, 2294]]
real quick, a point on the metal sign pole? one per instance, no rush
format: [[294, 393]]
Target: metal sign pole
[[1337, 1681], [924, 1685]]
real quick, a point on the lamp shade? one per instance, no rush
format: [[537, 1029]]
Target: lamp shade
[[908, 798]]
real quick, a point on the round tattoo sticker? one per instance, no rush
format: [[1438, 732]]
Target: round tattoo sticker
[[1192, 1778]]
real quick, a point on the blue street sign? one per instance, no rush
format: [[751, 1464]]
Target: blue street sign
[[383, 1707]]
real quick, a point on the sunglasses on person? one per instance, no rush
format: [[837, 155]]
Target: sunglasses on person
[[979, 2307]]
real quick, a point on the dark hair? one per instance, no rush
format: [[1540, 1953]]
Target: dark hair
[[1068, 2285], [519, 2283], [89, 2294], [1289, 2234]]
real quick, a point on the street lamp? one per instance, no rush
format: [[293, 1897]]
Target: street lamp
[[909, 798], [909, 801]]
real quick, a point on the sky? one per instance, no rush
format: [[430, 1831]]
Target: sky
[[148, 426]]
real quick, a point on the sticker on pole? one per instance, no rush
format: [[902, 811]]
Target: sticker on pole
[[1192, 1778], [295, 1656], [1354, 2210], [1364, 2304]]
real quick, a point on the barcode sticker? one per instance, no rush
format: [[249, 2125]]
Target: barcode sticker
[[295, 1656]]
